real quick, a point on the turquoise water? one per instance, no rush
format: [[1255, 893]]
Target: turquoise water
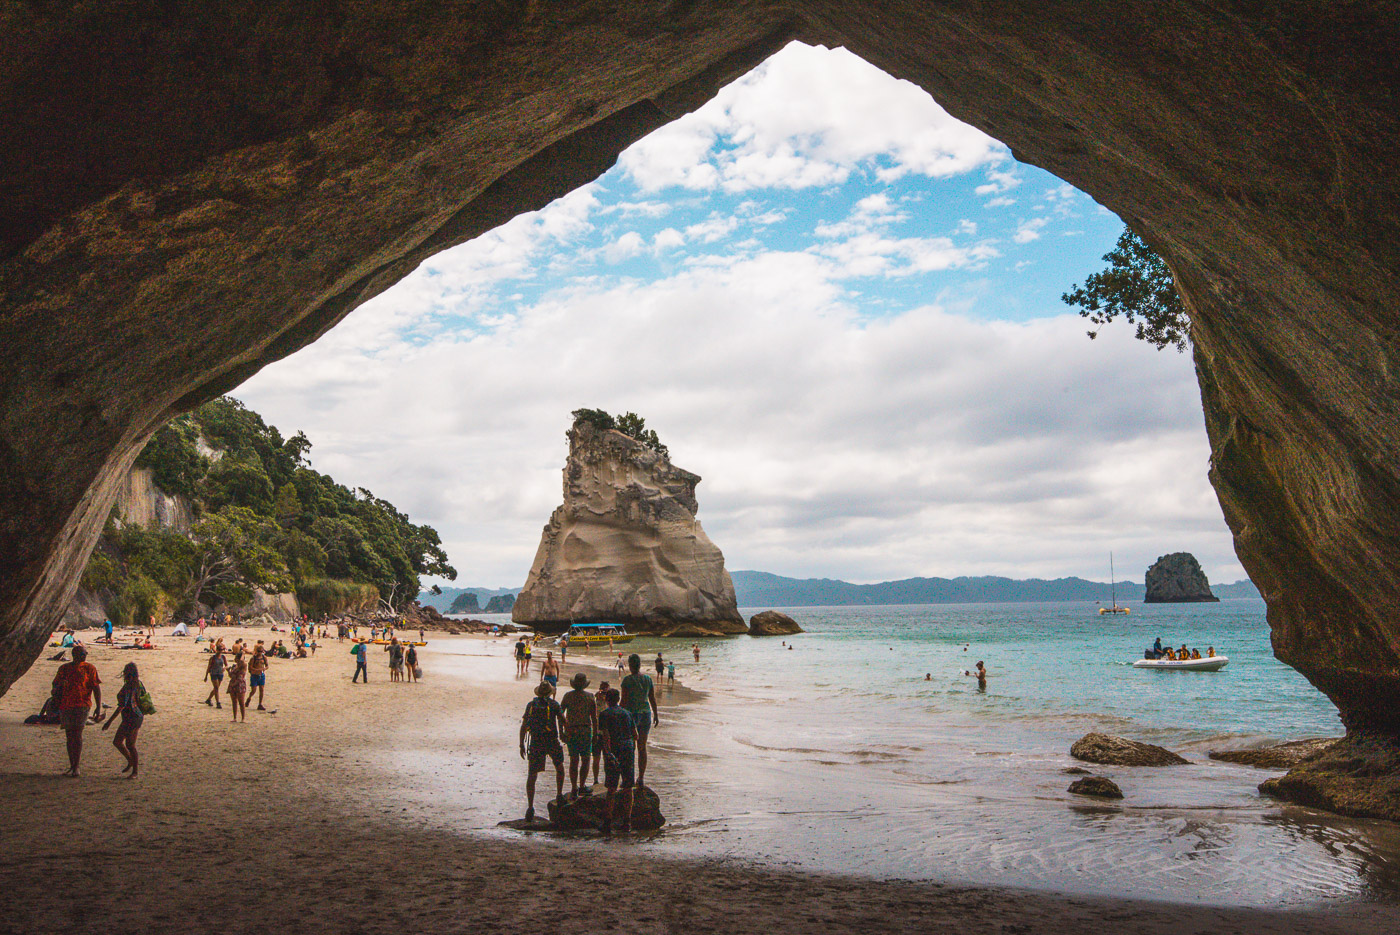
[[839, 755]]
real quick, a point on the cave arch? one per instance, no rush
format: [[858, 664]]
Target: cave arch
[[195, 197]]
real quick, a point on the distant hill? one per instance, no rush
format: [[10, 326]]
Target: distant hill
[[442, 603], [761, 589]]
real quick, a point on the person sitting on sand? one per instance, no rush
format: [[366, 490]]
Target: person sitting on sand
[[77, 686], [214, 672], [639, 699], [549, 669], [620, 742], [132, 718], [539, 738], [580, 724]]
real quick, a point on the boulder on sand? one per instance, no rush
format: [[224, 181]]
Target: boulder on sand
[[1096, 786], [586, 812], [1281, 756], [1119, 751], [772, 623]]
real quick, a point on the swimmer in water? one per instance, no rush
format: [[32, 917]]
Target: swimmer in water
[[981, 674], [928, 676]]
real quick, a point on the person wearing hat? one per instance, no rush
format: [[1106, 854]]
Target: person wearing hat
[[580, 724], [541, 728]]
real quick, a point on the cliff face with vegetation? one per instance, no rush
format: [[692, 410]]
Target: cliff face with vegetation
[[221, 512], [625, 546]]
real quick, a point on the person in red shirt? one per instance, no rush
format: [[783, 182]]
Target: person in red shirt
[[77, 687]]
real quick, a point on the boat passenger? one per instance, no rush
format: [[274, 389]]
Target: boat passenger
[[1195, 653], [1210, 652], [1171, 654], [1156, 648]]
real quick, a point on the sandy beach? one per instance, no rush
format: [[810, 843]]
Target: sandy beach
[[301, 821]]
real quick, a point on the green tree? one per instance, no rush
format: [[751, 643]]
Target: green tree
[[629, 424], [233, 553], [1138, 286]]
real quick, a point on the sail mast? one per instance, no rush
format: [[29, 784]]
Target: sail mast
[[1112, 585]]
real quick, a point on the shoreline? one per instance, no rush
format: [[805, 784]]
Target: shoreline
[[302, 814]]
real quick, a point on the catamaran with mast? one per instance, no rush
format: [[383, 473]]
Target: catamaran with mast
[[1113, 592]]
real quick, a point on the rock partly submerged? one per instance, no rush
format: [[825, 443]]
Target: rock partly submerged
[[1279, 756], [1358, 775], [1096, 786], [586, 813], [625, 547], [1177, 579], [772, 623], [1108, 750]]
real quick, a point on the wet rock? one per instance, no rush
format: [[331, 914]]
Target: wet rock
[[625, 547], [1076, 771], [1280, 756], [1119, 751], [587, 811], [1096, 786], [534, 824], [772, 623], [1177, 579], [1358, 775]]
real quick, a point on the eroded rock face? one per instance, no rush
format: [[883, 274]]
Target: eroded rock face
[[1358, 775], [1119, 751], [276, 165], [625, 547], [772, 623], [1177, 579]]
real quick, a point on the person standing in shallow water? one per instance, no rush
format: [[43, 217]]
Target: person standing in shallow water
[[639, 700], [128, 706], [540, 728], [77, 686], [549, 669]]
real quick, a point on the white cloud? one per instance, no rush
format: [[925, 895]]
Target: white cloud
[[625, 247], [808, 117], [923, 443], [1029, 230]]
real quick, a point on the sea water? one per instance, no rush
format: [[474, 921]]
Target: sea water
[[868, 748]]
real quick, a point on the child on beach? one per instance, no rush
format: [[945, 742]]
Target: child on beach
[[619, 733], [128, 697], [238, 687]]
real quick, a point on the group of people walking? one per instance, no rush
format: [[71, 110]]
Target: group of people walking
[[245, 676], [403, 660], [77, 694], [608, 728]]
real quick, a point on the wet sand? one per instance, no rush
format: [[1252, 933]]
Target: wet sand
[[298, 822]]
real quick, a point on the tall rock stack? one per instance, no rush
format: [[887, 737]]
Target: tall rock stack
[[625, 547], [1177, 579]]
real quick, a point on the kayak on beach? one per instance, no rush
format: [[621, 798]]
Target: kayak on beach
[[1207, 664]]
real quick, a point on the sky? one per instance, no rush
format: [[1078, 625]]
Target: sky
[[832, 300]]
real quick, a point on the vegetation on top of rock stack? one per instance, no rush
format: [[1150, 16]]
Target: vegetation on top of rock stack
[[266, 520], [629, 424]]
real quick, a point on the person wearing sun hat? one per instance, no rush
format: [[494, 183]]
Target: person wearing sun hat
[[541, 725], [580, 724]]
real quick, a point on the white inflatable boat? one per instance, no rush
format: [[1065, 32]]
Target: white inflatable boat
[[1204, 664]]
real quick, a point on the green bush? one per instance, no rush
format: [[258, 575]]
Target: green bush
[[336, 596]]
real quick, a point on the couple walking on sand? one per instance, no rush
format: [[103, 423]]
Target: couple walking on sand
[[614, 726], [79, 690]]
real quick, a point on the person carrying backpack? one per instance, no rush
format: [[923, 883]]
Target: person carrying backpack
[[358, 651], [129, 706]]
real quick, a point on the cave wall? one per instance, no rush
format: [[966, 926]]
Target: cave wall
[[188, 196]]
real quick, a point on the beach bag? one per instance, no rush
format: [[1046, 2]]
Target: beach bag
[[143, 700], [418, 672]]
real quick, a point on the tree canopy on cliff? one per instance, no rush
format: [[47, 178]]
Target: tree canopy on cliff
[[267, 520], [1138, 286], [629, 424]]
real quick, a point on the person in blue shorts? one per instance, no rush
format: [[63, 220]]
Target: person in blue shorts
[[539, 738], [639, 700], [619, 734]]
